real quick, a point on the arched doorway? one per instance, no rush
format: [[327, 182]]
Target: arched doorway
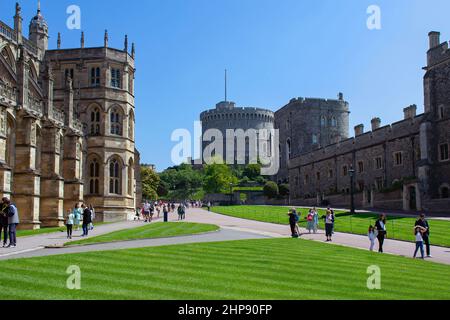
[[412, 198]]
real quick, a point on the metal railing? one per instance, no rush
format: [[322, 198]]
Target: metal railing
[[7, 31]]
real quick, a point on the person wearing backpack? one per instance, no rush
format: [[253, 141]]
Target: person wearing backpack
[[13, 222], [293, 220]]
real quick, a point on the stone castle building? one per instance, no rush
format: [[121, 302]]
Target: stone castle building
[[67, 121], [306, 124], [227, 116], [405, 165]]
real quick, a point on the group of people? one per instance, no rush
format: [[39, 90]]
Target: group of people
[[421, 234], [9, 220], [149, 209], [376, 232], [312, 224], [81, 215]]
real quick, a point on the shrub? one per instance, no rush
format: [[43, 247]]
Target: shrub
[[271, 190]]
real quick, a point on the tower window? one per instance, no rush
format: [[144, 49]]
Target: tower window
[[116, 81], [114, 177], [95, 77], [116, 123], [398, 158], [443, 152]]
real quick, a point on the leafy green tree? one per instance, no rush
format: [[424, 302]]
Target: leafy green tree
[[182, 182], [150, 183], [218, 178], [252, 171], [271, 190]]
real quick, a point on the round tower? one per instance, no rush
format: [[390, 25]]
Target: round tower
[[39, 31]]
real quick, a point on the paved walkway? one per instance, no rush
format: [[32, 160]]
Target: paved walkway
[[231, 229], [401, 248]]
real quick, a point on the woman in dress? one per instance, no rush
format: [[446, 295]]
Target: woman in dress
[[77, 216]]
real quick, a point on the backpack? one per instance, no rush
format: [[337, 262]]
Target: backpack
[[297, 217]]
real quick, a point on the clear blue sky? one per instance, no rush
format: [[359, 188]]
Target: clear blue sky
[[274, 50]]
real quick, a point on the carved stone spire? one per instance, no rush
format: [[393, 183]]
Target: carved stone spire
[[106, 39], [58, 42], [126, 44], [82, 39]]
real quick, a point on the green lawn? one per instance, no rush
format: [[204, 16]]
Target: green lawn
[[272, 269], [398, 227], [150, 231], [28, 233]]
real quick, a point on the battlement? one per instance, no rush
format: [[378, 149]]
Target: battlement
[[380, 135], [438, 52], [319, 103], [237, 113]]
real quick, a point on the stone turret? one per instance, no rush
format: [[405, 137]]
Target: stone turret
[[39, 31]]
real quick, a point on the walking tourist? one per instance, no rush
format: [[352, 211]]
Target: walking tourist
[[419, 232], [382, 231], [91, 225], [166, 213], [315, 220], [4, 222], [87, 220], [209, 206], [146, 211], [181, 212], [310, 221], [69, 224], [293, 223], [329, 223], [372, 236], [422, 222], [77, 212], [13, 221]]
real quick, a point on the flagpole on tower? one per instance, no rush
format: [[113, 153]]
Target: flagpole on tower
[[226, 88]]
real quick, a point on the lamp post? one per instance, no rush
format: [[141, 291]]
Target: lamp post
[[352, 190]]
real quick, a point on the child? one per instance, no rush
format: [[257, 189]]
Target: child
[[69, 224], [419, 241], [373, 233], [310, 218]]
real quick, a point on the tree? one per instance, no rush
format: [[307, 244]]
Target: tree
[[150, 183], [218, 178], [182, 182], [271, 190], [283, 190], [252, 171]]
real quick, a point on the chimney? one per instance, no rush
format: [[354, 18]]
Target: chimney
[[126, 44], [341, 96], [434, 39], [359, 130], [410, 112], [58, 42], [376, 124]]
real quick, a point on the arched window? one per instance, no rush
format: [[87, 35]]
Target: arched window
[[323, 121], [95, 122], [315, 140], [116, 78], [114, 177], [94, 177], [116, 122], [130, 177], [288, 149], [333, 122], [131, 126]]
